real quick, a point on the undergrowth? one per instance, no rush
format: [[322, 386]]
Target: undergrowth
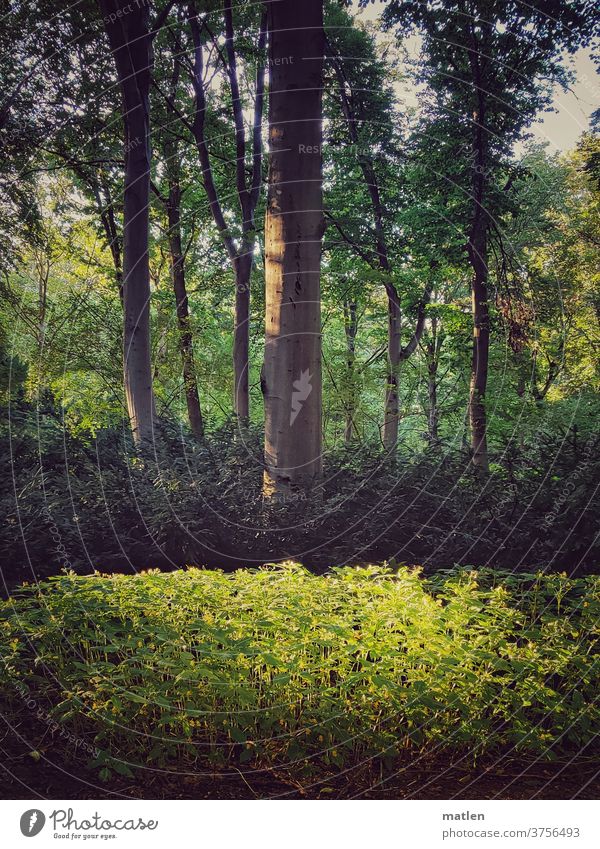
[[70, 503], [279, 668]]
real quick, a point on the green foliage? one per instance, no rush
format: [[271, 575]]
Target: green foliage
[[279, 668], [61, 316]]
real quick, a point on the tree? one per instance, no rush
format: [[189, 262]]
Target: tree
[[128, 31], [248, 180], [62, 314], [490, 65], [171, 153], [366, 102], [37, 43], [291, 377], [558, 253], [350, 330]]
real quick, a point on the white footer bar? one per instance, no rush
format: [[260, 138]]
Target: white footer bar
[[301, 824]]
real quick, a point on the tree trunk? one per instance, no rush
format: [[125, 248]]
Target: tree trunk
[[186, 345], [390, 422], [434, 437], [521, 376], [481, 344], [127, 28], [394, 347], [43, 266], [397, 355], [432, 351], [104, 204], [351, 328], [171, 158], [241, 333], [291, 379], [553, 372], [477, 249]]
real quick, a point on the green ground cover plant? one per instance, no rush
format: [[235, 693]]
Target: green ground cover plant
[[279, 668]]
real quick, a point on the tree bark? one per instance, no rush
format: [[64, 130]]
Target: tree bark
[[432, 357], [291, 379], [241, 333], [390, 421], [434, 437], [478, 249], [172, 203], [128, 30], [98, 185], [351, 329], [110, 228], [553, 372], [394, 345], [481, 344], [186, 345]]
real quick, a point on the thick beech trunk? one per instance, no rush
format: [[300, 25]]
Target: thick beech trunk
[[291, 379], [128, 32]]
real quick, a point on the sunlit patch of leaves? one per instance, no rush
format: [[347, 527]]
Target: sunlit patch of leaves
[[277, 667]]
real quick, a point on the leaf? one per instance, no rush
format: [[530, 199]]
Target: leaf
[[122, 768], [271, 660], [238, 735]]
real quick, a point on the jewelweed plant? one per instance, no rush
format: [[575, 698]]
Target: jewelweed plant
[[276, 667]]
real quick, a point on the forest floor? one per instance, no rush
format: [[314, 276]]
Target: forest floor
[[420, 778]]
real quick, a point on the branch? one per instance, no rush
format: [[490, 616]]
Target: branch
[[154, 188], [199, 135], [257, 145], [238, 117], [362, 254], [409, 349], [161, 18]]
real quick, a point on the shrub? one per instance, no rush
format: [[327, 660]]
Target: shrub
[[277, 667]]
